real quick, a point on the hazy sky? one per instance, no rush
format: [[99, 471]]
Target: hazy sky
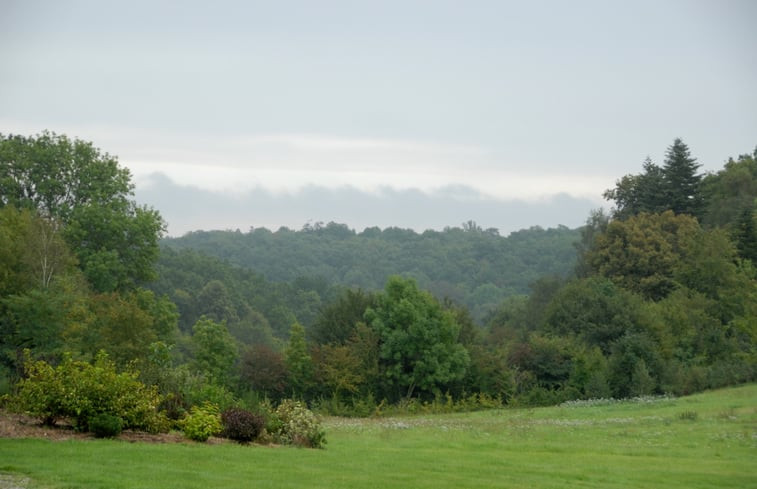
[[417, 114]]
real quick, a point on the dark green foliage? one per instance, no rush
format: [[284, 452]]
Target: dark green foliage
[[675, 186], [418, 340], [85, 191], [336, 322], [215, 351], [730, 191], [264, 370], [55, 175], [106, 425], [745, 234], [646, 192], [633, 363], [682, 185], [660, 303], [258, 309], [475, 268], [241, 425], [298, 361], [595, 310]]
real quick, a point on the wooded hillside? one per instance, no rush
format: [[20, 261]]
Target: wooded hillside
[[468, 265], [657, 296]]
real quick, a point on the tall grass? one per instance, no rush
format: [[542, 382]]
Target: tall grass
[[641, 443]]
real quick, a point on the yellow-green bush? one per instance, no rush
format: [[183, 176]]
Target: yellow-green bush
[[202, 422], [80, 391]]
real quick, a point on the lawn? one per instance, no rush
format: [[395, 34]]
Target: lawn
[[703, 441]]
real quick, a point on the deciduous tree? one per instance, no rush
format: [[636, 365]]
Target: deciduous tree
[[73, 185], [418, 340]]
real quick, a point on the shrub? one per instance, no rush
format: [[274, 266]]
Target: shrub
[[106, 425], [297, 425], [80, 391], [241, 425], [202, 422]]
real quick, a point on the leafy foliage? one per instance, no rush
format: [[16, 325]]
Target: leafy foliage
[[675, 187], [471, 266], [297, 425], [81, 391], [663, 298], [215, 351], [71, 183], [241, 425], [106, 425], [202, 422], [418, 346], [642, 252]]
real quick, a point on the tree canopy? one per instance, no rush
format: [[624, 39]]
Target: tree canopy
[[418, 340], [85, 194], [675, 186]]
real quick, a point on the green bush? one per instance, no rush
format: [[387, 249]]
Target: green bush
[[80, 391], [295, 424], [241, 425], [106, 425], [202, 422]]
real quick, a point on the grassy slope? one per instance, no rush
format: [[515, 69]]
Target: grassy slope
[[619, 445]]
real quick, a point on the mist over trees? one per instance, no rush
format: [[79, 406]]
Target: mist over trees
[[658, 296]]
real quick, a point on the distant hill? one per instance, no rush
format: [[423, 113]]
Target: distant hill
[[470, 265]]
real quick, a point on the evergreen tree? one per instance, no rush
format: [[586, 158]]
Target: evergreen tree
[[682, 190], [745, 235]]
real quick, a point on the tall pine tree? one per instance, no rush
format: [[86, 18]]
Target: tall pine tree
[[682, 185], [745, 235]]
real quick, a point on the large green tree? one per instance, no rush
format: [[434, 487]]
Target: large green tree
[[682, 184], [418, 340], [215, 351], [675, 186], [87, 194], [644, 192], [745, 234], [731, 191], [595, 310], [54, 174], [642, 253], [336, 322], [298, 360]]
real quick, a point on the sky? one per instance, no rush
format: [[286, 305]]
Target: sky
[[417, 114]]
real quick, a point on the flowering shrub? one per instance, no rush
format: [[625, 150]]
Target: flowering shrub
[[295, 424], [202, 422]]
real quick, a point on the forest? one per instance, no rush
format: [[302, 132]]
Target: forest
[[656, 296]]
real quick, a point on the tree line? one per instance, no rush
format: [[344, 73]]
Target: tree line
[[468, 264], [661, 296]]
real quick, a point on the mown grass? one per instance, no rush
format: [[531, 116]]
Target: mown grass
[[703, 441]]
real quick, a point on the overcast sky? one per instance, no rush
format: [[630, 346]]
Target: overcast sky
[[415, 114]]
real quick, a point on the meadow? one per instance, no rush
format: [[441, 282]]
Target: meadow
[[702, 441]]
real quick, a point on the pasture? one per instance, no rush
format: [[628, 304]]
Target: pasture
[[702, 441]]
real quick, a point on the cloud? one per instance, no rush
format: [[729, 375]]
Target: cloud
[[289, 162], [187, 208]]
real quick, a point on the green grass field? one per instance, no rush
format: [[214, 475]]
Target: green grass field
[[703, 441]]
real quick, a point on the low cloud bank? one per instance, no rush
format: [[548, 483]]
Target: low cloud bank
[[188, 208]]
